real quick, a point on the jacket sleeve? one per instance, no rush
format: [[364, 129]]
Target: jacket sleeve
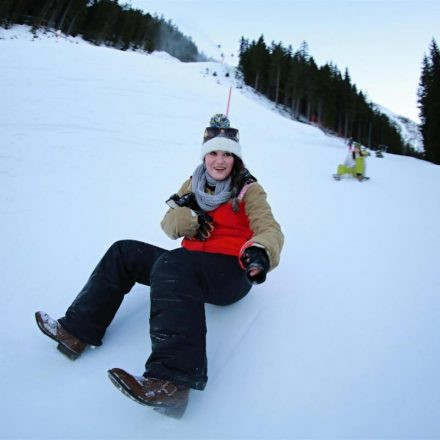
[[180, 222], [266, 230], [349, 162]]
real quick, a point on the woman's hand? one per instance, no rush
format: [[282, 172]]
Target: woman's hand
[[256, 262], [204, 230]]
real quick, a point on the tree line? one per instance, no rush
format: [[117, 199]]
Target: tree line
[[101, 22], [429, 103], [319, 95]]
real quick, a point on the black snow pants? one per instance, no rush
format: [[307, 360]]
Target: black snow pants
[[181, 282]]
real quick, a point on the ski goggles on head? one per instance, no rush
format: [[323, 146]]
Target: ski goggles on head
[[212, 132]]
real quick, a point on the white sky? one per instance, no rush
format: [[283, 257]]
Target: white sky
[[382, 43]]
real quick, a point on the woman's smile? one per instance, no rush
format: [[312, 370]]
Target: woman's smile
[[219, 164]]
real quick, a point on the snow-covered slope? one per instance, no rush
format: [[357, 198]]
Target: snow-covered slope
[[340, 342], [408, 129]]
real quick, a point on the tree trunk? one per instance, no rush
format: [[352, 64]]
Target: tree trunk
[[369, 134], [277, 90], [320, 112], [346, 128], [60, 23], [43, 13]]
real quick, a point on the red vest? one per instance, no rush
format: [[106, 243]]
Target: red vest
[[231, 231]]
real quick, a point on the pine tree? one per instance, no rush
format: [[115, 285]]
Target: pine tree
[[429, 103], [315, 94], [277, 68], [259, 60]]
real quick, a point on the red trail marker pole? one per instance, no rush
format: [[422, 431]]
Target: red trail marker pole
[[229, 101]]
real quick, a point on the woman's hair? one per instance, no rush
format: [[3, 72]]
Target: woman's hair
[[360, 154], [236, 181]]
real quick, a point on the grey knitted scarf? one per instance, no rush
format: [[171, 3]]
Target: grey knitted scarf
[[209, 202]]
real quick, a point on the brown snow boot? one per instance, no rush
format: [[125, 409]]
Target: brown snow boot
[[68, 344], [163, 395]]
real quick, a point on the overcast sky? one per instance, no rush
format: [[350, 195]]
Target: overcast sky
[[382, 43]]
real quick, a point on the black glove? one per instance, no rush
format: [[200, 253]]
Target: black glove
[[255, 258], [188, 200], [205, 227]]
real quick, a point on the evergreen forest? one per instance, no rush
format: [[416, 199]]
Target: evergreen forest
[[318, 95], [429, 103], [101, 22]]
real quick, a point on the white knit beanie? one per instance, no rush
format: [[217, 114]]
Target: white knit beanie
[[220, 142], [223, 144]]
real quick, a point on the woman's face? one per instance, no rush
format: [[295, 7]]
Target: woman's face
[[219, 164]]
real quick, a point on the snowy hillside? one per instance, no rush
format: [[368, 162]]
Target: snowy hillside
[[409, 130], [340, 342]]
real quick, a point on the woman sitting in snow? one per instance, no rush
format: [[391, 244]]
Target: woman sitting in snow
[[354, 164], [230, 241]]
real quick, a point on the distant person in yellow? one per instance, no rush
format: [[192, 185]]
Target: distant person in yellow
[[354, 164]]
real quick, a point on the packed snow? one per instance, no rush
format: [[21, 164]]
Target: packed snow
[[341, 341]]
